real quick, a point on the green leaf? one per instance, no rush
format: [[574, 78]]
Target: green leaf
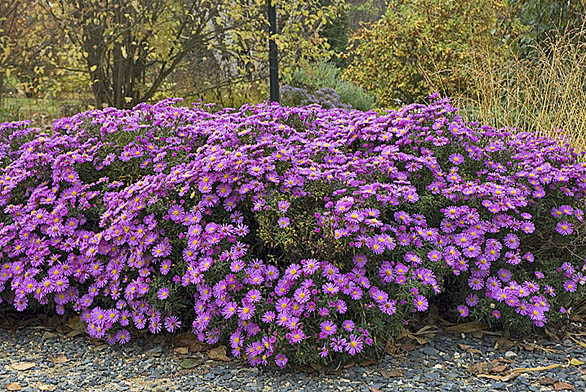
[[188, 364]]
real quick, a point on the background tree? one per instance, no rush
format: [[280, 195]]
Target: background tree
[[131, 47]]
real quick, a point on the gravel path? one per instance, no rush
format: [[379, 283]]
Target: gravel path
[[37, 358]]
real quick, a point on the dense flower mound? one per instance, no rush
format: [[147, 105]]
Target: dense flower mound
[[293, 234]]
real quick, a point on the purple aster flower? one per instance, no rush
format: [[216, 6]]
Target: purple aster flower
[[511, 241], [268, 317], [386, 272], [229, 309], [172, 323], [388, 307], [341, 306], [310, 266], [348, 325], [283, 222], [295, 336], [163, 293], [302, 295], [472, 300], [327, 328], [281, 360], [123, 336], [420, 303], [253, 296], [283, 206], [570, 286], [456, 159], [463, 310], [292, 272], [246, 311], [354, 344], [504, 274], [338, 344], [475, 283], [564, 228]]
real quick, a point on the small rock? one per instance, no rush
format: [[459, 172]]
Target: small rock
[[510, 354]]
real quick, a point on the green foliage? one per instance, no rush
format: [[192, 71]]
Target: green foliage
[[424, 43], [326, 75], [10, 113], [546, 19]]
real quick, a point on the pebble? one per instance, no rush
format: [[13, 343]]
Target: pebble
[[440, 365]]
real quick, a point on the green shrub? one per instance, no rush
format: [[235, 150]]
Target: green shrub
[[423, 41], [326, 75]]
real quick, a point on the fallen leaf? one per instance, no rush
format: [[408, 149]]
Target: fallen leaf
[[13, 386], [550, 334], [575, 362], [421, 341], [407, 346], [392, 374], [373, 389], [466, 327], [499, 369], [47, 387], [74, 333], [503, 344], [505, 378], [218, 354], [428, 329], [547, 381], [188, 364], [75, 323], [190, 340], [504, 360], [391, 348], [181, 350], [532, 347], [537, 369], [23, 366], [58, 360], [367, 362], [469, 349], [478, 368], [563, 386], [578, 342], [48, 335]]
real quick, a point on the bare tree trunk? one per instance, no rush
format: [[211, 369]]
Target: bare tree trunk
[[1, 88]]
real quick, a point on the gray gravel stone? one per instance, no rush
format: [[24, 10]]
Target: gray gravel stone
[[143, 365]]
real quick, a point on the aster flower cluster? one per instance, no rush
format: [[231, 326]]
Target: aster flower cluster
[[299, 234]]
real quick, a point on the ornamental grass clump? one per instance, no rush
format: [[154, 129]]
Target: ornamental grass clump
[[290, 234]]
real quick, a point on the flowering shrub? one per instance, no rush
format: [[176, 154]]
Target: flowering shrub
[[326, 97], [296, 234]]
